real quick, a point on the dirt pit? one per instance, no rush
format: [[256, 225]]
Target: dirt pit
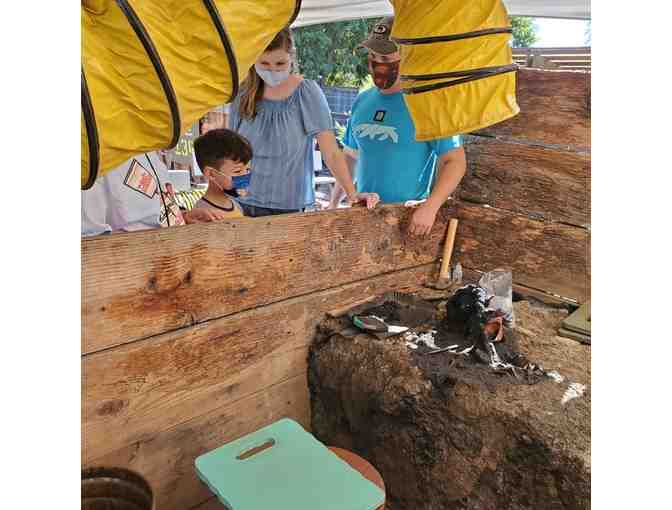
[[449, 433]]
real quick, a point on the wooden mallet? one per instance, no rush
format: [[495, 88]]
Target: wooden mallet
[[444, 281]]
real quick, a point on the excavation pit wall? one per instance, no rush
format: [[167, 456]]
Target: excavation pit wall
[[461, 437]]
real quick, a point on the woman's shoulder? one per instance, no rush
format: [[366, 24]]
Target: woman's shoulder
[[310, 91], [308, 86]]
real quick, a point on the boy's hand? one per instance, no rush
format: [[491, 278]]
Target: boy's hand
[[203, 215], [371, 199]]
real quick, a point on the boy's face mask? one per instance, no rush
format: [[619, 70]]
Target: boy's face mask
[[233, 182], [384, 74], [242, 181]]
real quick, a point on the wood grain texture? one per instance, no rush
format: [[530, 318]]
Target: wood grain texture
[[141, 284], [554, 109], [211, 504], [548, 183], [166, 459], [133, 391], [548, 256]]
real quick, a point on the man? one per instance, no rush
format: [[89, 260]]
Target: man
[[136, 196], [380, 137]]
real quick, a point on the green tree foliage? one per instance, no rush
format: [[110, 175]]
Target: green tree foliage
[[524, 32], [328, 52]]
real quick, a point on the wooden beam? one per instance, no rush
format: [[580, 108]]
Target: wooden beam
[[141, 284], [132, 392], [554, 51], [562, 58], [554, 109], [538, 181], [166, 460], [552, 257]]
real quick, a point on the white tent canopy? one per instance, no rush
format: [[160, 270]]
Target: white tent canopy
[[324, 11]]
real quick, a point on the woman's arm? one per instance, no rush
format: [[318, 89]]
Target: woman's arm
[[336, 162], [338, 192]]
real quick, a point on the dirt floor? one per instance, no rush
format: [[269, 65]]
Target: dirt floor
[[447, 433]]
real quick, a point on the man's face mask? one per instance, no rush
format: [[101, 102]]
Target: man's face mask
[[384, 74]]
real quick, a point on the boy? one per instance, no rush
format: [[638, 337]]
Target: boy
[[224, 158]]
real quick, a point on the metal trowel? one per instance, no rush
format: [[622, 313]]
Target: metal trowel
[[373, 324]]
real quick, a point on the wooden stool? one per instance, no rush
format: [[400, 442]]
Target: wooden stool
[[361, 465]]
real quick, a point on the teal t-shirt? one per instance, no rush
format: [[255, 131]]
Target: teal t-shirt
[[391, 162]]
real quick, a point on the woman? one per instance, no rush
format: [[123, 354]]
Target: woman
[[280, 113]]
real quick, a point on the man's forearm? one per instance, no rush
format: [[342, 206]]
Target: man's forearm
[[450, 173]]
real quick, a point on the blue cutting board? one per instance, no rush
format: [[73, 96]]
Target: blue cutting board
[[284, 467]]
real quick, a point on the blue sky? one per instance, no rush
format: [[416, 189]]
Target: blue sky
[[560, 32]]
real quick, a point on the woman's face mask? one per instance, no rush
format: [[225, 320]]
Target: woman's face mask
[[271, 78], [384, 74], [273, 67]]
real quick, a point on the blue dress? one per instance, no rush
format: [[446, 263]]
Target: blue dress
[[281, 135]]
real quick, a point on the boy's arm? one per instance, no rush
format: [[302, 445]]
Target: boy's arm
[[451, 168]]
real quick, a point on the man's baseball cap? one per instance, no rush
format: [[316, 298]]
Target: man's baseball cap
[[379, 38]]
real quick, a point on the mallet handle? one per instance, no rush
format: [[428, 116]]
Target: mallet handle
[[448, 248]]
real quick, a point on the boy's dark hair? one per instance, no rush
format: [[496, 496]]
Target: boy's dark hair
[[219, 144]]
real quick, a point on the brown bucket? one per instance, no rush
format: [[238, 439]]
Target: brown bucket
[[115, 489]]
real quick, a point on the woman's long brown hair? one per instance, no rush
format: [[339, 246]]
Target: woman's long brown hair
[[253, 87]]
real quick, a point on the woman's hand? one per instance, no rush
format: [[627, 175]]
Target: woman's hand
[[371, 199]]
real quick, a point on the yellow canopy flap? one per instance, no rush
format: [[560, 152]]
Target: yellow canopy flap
[[150, 68], [456, 65]]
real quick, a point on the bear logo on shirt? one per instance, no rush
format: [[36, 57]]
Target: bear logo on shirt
[[377, 132]]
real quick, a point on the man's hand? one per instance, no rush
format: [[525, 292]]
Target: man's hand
[[371, 199], [452, 166], [203, 215], [422, 220]]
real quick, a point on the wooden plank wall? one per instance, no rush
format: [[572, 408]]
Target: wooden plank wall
[[194, 336], [533, 174]]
